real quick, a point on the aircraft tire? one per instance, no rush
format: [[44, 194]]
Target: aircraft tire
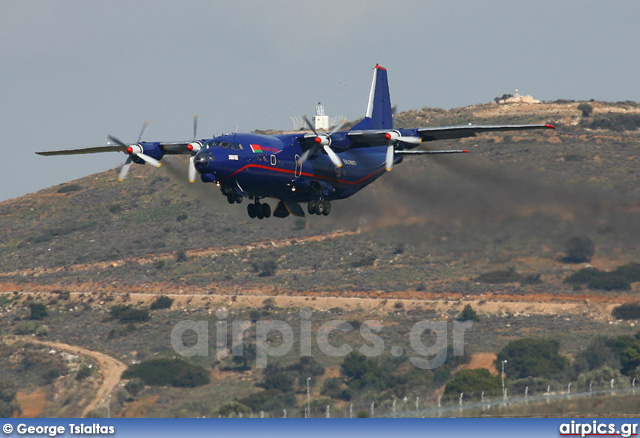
[[251, 210], [266, 210], [231, 199], [238, 199], [320, 208], [327, 208], [311, 207]]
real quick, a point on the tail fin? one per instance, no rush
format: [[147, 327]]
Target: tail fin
[[379, 114]]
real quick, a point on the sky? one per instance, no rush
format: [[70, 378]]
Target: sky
[[74, 71]]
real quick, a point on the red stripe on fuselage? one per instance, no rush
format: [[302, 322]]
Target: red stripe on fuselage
[[311, 175]]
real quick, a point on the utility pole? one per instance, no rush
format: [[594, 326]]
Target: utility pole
[[504, 392], [308, 398]]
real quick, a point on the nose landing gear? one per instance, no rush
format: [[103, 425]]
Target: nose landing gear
[[319, 207], [258, 210]]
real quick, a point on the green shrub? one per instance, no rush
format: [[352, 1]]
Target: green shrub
[[68, 188], [630, 272], [627, 350], [162, 302], [468, 314], [365, 373], [84, 372], [8, 405], [38, 311], [128, 313], [614, 122], [627, 311], [499, 277], [586, 109], [181, 256], [265, 268], [30, 328], [595, 279], [234, 409], [134, 386], [530, 357], [472, 383], [579, 249], [63, 294], [269, 400], [583, 276], [364, 261], [168, 372], [609, 281], [282, 381]]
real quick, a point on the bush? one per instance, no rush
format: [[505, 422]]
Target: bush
[[269, 400], [364, 373], [530, 357], [31, 328], [83, 373], [595, 279], [68, 188], [234, 409], [630, 272], [265, 268], [181, 256], [586, 109], [579, 249], [38, 311], [168, 372], [598, 354], [627, 350], [472, 383], [468, 314], [627, 311], [609, 281], [281, 381], [134, 386], [128, 313], [499, 277], [162, 302], [8, 405], [583, 276], [614, 122]]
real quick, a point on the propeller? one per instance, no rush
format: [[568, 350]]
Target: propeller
[[395, 137], [194, 147], [323, 140], [134, 149]]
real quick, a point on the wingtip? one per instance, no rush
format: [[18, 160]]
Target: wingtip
[[549, 126], [466, 152]]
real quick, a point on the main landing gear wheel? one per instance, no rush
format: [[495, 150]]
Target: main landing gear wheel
[[258, 210], [234, 198], [319, 207]]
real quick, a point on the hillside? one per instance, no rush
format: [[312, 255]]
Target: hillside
[[419, 243], [514, 197]]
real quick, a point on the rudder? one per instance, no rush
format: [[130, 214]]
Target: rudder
[[379, 114]]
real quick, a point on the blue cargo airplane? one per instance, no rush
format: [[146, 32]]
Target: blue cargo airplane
[[314, 168]]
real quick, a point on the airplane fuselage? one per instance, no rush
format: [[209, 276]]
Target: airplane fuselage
[[270, 166]]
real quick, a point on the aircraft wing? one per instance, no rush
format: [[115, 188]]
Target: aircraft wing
[[462, 131], [172, 148], [412, 137], [92, 150]]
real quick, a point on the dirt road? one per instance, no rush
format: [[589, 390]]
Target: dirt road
[[111, 369]]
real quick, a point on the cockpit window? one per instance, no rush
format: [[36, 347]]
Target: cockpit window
[[226, 145]]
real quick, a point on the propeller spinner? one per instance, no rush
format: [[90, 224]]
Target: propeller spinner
[[133, 149], [323, 140], [395, 137]]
